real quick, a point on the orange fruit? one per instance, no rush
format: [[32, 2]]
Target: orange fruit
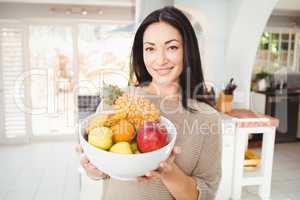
[[123, 131]]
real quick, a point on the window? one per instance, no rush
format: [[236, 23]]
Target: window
[[275, 51], [57, 59], [13, 96], [104, 52]]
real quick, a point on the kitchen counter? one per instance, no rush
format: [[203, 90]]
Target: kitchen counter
[[283, 92], [248, 118]]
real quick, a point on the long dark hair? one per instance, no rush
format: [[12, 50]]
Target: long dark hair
[[191, 78]]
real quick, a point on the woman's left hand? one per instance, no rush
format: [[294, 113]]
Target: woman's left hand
[[165, 168]]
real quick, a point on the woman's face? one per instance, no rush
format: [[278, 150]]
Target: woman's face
[[163, 53]]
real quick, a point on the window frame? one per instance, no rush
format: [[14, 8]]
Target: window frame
[[292, 65], [26, 23]]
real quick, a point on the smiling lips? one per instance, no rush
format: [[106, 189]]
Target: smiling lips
[[163, 71]]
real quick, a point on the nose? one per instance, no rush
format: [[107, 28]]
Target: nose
[[161, 57]]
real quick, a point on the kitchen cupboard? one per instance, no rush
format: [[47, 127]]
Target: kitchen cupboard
[[283, 105]]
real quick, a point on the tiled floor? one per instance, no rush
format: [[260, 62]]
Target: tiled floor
[[286, 174], [48, 171], [44, 171]]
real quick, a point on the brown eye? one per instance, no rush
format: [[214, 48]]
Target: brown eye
[[149, 49], [173, 48]]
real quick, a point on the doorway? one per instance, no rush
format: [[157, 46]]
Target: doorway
[[60, 61]]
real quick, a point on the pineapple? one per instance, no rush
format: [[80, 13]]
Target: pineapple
[[111, 93], [138, 109]]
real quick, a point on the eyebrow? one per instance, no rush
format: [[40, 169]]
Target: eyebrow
[[167, 42]]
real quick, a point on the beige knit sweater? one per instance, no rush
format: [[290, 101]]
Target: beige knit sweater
[[199, 137]]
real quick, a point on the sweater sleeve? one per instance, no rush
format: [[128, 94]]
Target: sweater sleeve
[[207, 172]]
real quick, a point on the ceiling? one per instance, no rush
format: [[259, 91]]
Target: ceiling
[[118, 3], [292, 5], [289, 5], [287, 8]]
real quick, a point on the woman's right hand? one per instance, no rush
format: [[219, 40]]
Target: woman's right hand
[[90, 169]]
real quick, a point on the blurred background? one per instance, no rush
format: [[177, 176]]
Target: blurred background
[[56, 54]]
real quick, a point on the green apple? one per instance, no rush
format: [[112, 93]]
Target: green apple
[[136, 152], [134, 147], [101, 138], [121, 147]]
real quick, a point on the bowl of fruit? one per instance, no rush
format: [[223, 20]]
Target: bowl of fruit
[[128, 141]]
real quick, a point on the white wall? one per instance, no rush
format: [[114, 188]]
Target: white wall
[[143, 8], [247, 27], [231, 32], [213, 17]]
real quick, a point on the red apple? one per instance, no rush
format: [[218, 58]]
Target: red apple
[[151, 136]]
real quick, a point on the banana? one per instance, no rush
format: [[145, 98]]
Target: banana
[[96, 122]]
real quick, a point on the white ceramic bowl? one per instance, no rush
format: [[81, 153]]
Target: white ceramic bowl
[[127, 166]]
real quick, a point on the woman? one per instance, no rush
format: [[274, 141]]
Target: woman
[[166, 63]]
